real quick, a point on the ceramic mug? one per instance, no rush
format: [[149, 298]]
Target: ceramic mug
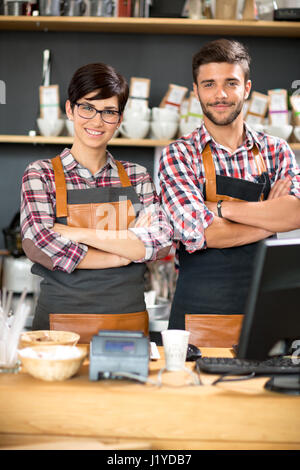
[[51, 7], [164, 129], [164, 114], [133, 129], [186, 127], [17, 8], [99, 8], [137, 114], [74, 8]]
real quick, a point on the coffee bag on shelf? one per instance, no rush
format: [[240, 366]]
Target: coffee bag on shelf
[[139, 92], [278, 107], [195, 112], [49, 102], [295, 104], [174, 97], [257, 108]]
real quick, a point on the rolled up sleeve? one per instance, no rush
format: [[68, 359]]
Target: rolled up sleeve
[[152, 226], [286, 167], [182, 199]]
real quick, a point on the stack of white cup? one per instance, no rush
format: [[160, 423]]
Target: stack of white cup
[[164, 123], [136, 123], [188, 126], [190, 119]]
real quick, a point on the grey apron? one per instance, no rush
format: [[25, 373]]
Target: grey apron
[[216, 281], [113, 291]]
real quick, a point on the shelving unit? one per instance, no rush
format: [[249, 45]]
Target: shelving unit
[[177, 26], [151, 25]]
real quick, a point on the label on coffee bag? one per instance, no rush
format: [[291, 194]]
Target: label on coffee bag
[[49, 102]]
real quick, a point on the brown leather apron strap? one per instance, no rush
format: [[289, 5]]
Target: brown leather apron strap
[[259, 161], [61, 188], [210, 174], [124, 178], [87, 324]]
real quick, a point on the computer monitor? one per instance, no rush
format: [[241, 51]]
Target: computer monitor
[[272, 313]]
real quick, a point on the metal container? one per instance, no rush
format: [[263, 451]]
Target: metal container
[[17, 275], [74, 8], [161, 311], [99, 8], [51, 7]]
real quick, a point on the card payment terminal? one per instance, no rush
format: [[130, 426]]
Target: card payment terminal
[[114, 351]]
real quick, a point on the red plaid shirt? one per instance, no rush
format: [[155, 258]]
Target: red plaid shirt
[[182, 177], [38, 202]]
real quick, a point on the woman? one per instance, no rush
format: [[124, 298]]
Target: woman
[[89, 222]]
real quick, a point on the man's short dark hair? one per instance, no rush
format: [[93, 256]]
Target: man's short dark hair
[[101, 78], [222, 50]]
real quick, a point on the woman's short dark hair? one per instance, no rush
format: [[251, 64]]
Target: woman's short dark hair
[[101, 78], [222, 50]]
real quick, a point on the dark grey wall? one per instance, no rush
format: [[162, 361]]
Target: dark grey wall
[[163, 58]]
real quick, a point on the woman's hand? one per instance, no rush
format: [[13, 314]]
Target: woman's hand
[[97, 259], [72, 233]]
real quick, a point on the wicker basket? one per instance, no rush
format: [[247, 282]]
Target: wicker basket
[[55, 369], [48, 338]]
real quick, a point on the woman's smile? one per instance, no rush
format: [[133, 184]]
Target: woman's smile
[[93, 132]]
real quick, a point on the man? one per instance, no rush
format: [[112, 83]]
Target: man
[[224, 187]]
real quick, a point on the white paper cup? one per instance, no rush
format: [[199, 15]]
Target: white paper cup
[[175, 344]]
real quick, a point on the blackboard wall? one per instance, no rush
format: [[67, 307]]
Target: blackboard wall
[[162, 58]]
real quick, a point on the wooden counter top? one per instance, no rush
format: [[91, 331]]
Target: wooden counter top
[[232, 415]]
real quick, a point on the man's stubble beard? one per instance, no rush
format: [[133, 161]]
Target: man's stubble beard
[[227, 120]]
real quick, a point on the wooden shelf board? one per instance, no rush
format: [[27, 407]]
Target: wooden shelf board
[[119, 141], [61, 140], [151, 25]]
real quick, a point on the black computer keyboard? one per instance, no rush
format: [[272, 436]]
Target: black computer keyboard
[[235, 366]]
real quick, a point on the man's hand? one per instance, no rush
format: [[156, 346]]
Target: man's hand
[[280, 188], [212, 206]]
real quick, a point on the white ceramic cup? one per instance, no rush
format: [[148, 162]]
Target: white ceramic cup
[[297, 133], [70, 127], [133, 129], [283, 132], [164, 129], [49, 127], [164, 114], [137, 114], [186, 127], [175, 344]]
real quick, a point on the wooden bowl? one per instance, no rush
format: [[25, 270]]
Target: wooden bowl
[[52, 363], [48, 338]]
